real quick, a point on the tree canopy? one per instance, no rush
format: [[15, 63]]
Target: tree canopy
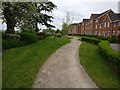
[[23, 14]]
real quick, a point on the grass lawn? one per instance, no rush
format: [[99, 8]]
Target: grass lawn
[[21, 65], [96, 68]]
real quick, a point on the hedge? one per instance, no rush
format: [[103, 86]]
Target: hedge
[[6, 44], [28, 38], [90, 40], [110, 55], [16, 40], [89, 35]]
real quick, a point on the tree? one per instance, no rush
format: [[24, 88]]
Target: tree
[[16, 13], [65, 24], [65, 28], [43, 18], [21, 13]]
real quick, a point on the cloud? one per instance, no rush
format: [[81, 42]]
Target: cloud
[[79, 9]]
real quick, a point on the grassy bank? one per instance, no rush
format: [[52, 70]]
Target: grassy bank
[[21, 65], [95, 66]]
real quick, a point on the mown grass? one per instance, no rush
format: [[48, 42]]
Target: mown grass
[[95, 66], [21, 65]]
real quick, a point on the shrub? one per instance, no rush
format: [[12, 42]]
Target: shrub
[[10, 36], [42, 35], [28, 37], [6, 44], [118, 38], [113, 39], [58, 35], [103, 37], [90, 35], [110, 55], [90, 40]]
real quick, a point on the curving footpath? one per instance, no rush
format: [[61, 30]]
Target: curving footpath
[[63, 70]]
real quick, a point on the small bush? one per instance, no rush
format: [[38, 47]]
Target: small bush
[[58, 35], [113, 39], [6, 44], [42, 35], [10, 36], [28, 37], [110, 55], [118, 38], [90, 40]]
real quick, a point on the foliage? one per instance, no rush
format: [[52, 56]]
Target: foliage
[[97, 69], [21, 13], [27, 27], [6, 44], [90, 40], [89, 35], [65, 28], [103, 37], [58, 35], [28, 38], [118, 38], [49, 31], [21, 65], [10, 36], [111, 56], [42, 35], [112, 39]]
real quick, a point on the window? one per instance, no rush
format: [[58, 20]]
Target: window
[[118, 23], [100, 26], [96, 26], [105, 25], [96, 20], [114, 24], [108, 24]]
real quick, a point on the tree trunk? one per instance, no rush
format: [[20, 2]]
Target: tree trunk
[[10, 27], [10, 20], [36, 28]]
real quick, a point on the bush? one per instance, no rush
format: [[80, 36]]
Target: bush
[[42, 35], [28, 37], [58, 35], [90, 35], [110, 55], [6, 44], [10, 36], [118, 38], [90, 40], [103, 37], [113, 39]]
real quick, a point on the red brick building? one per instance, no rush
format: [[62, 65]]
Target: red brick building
[[105, 24], [74, 29]]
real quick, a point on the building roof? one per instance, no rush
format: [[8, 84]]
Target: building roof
[[94, 16], [74, 23], [115, 17], [105, 12], [85, 20]]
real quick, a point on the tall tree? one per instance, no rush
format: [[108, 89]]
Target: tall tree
[[20, 13], [16, 13], [43, 18]]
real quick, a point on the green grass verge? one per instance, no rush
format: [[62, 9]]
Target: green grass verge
[[96, 68], [21, 65]]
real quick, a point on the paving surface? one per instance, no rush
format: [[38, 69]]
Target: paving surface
[[115, 46], [63, 70]]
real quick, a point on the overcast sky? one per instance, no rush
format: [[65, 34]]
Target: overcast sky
[[79, 9]]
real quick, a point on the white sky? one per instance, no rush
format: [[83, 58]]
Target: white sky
[[79, 9]]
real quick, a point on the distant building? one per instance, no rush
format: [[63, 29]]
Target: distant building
[[105, 24], [73, 29]]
